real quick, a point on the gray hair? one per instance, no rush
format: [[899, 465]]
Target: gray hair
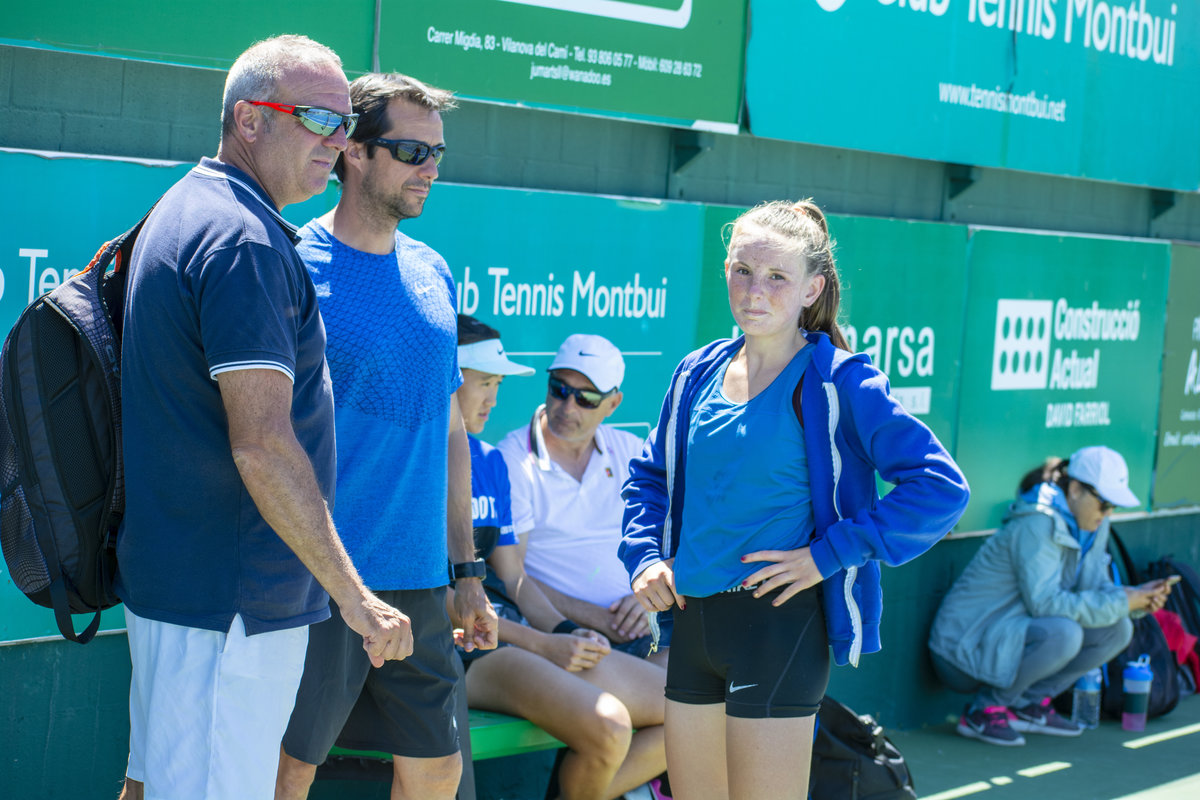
[[256, 72]]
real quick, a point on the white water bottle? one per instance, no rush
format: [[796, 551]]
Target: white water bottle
[[1085, 701]]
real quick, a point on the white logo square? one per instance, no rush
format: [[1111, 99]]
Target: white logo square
[[1021, 353]]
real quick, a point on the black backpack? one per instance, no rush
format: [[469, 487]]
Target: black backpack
[[853, 760], [1165, 690], [60, 441], [1148, 639]]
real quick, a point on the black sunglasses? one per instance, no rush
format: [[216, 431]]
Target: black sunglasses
[[411, 151], [584, 398], [1105, 506]]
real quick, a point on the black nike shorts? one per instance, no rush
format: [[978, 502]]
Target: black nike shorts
[[760, 661], [406, 708]]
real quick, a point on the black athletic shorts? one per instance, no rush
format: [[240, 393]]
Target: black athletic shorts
[[404, 707], [760, 661]]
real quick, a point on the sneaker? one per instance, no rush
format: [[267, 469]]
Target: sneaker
[[989, 725], [659, 789], [1042, 718]]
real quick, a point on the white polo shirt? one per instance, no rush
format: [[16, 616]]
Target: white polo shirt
[[572, 528]]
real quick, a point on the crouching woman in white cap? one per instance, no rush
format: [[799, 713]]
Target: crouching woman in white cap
[[1036, 608]]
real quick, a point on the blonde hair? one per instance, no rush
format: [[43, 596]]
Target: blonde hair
[[802, 226]]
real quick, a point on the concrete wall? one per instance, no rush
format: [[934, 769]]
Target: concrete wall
[[91, 104]]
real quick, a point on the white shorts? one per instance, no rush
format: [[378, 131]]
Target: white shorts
[[207, 710]]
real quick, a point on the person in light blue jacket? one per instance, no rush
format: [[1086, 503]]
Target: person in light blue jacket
[[1036, 608], [753, 512]]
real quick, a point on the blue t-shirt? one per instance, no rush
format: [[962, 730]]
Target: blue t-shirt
[[747, 482], [491, 499], [215, 285], [393, 356]]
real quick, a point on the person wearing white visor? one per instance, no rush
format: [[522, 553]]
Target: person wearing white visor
[[1036, 608], [484, 365], [605, 705]]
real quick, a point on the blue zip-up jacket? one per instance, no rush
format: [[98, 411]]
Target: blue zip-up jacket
[[852, 427]]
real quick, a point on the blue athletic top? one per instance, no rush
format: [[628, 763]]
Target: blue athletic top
[[491, 498], [748, 462], [215, 286], [393, 358], [854, 433]]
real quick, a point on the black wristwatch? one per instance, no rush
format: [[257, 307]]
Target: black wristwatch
[[469, 569]]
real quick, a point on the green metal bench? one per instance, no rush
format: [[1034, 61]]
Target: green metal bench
[[492, 736]]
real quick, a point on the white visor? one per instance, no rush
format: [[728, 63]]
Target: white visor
[[488, 356]]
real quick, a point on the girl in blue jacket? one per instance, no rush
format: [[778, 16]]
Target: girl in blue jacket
[[753, 509]]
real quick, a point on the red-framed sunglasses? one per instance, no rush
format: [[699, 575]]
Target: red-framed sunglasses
[[320, 121]]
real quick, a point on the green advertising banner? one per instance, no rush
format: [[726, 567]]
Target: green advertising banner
[[715, 319], [555, 264], [668, 61], [1177, 465], [671, 61], [65, 209], [541, 266], [201, 34], [1065, 334], [917, 342], [1062, 349], [1085, 88]]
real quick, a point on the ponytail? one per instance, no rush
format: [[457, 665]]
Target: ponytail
[[1052, 470]]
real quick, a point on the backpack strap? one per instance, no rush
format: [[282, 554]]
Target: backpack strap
[[796, 400], [58, 594], [1131, 571]]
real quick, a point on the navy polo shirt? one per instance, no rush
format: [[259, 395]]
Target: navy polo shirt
[[215, 285]]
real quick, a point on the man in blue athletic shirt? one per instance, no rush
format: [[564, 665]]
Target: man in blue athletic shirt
[[404, 479], [227, 540]]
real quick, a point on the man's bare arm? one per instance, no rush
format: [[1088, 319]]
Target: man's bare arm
[[280, 478], [590, 615], [472, 611]]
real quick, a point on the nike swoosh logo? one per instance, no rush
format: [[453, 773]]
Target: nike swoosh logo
[[587, 355], [733, 688], [424, 289]]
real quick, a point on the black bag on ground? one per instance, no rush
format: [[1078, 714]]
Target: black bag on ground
[[1149, 639], [61, 470], [853, 760]]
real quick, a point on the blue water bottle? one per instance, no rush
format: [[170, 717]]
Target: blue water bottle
[[1137, 678], [1085, 701]]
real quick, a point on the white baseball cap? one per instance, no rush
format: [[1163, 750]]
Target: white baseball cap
[[1104, 470], [488, 356], [593, 357]]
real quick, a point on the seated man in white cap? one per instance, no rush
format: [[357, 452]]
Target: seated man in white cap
[[1036, 607], [566, 469]]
